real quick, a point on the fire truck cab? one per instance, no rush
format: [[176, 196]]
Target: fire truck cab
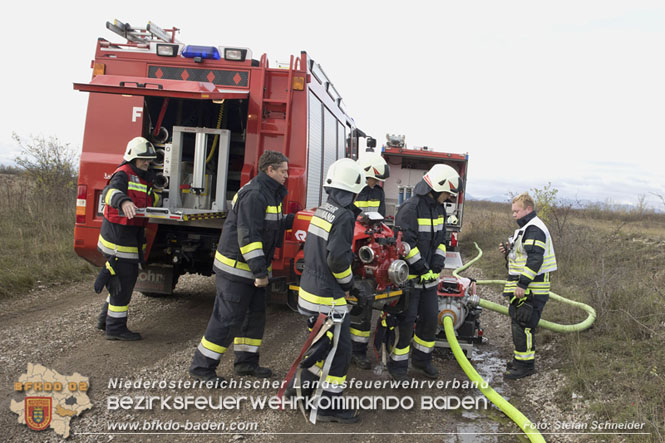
[[211, 111]]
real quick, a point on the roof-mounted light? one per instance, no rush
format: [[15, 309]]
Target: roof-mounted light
[[235, 54], [209, 52], [166, 50]]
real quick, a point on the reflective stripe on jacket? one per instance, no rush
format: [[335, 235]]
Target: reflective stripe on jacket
[[253, 229], [119, 236], [517, 258], [328, 256], [135, 188], [372, 200], [421, 219]]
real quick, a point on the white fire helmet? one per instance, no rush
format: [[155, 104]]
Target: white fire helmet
[[345, 174], [139, 147], [375, 167], [443, 178]]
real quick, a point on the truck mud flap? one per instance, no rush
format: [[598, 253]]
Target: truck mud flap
[[155, 279]]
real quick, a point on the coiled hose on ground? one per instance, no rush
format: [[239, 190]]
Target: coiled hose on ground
[[512, 412]]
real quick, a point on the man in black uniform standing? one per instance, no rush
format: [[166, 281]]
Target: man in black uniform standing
[[122, 236], [422, 222], [253, 229], [531, 259]]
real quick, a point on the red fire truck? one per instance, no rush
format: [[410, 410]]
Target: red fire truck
[[211, 111]]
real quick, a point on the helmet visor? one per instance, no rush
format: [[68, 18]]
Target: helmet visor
[[384, 175]]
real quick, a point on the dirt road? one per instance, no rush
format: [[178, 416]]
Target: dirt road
[[55, 328]]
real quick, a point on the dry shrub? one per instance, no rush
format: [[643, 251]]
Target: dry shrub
[[37, 209]]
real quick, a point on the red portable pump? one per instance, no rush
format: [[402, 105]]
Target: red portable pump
[[377, 252]]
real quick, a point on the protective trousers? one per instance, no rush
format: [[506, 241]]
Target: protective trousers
[[361, 325], [239, 316], [422, 309], [524, 333], [118, 305], [340, 364]]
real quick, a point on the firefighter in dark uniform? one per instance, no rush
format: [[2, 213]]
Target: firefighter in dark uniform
[[370, 199], [253, 229], [531, 258], [122, 236], [421, 220], [327, 277]]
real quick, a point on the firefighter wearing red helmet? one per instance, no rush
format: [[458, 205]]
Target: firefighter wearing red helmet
[[122, 236], [422, 222], [326, 279], [254, 228]]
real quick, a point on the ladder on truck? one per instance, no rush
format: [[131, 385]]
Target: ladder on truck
[[151, 32], [275, 104]]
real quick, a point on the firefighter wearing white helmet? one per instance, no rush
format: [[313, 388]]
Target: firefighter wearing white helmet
[[139, 147], [422, 222], [122, 236], [327, 279], [371, 199]]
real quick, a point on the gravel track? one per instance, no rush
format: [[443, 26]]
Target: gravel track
[[55, 327]]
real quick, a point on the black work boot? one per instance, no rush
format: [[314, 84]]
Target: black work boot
[[399, 374], [511, 365], [427, 368], [336, 414], [210, 376], [116, 329], [292, 392], [253, 370], [101, 319], [519, 371], [125, 335], [361, 361]]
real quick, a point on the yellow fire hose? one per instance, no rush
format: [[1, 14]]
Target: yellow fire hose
[[513, 413], [586, 324], [219, 125]]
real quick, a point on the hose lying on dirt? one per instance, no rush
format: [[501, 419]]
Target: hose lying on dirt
[[511, 411], [591, 317]]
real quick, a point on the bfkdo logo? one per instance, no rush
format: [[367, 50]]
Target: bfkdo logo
[[50, 399], [38, 412]]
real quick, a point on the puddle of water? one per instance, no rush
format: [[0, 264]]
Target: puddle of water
[[490, 366], [477, 433]]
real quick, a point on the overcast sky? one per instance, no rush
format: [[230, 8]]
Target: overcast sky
[[567, 92]]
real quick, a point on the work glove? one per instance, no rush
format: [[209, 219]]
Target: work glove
[[429, 279], [108, 278], [318, 351], [524, 312], [363, 291]]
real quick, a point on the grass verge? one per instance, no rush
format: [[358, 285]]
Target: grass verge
[[615, 264]]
